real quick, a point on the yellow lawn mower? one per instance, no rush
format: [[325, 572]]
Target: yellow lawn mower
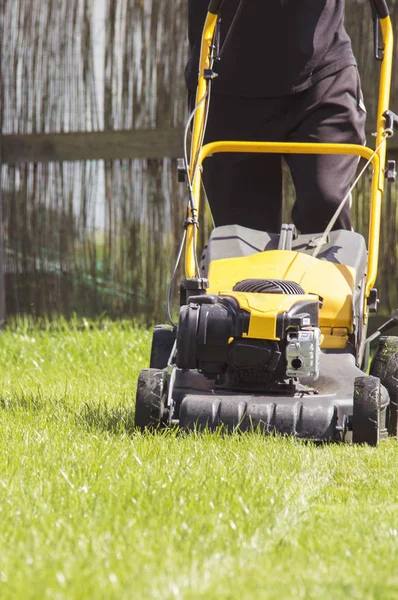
[[271, 333]]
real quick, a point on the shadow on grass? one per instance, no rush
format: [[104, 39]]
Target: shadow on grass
[[29, 403], [91, 417], [103, 418]]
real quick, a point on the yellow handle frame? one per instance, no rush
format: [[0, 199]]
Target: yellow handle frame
[[378, 159]]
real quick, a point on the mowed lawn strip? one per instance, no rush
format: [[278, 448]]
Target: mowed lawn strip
[[91, 509]]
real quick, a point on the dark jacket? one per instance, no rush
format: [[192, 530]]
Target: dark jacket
[[279, 47]]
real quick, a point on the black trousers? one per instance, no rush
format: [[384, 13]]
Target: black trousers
[[246, 189]]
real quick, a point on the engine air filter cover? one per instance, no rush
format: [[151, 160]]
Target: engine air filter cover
[[268, 286]]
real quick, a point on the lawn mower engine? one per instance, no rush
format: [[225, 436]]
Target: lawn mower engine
[[214, 337]]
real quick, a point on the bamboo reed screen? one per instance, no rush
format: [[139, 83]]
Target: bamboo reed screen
[[96, 236]]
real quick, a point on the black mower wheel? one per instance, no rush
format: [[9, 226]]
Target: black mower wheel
[[385, 366], [369, 413], [150, 410], [163, 339]]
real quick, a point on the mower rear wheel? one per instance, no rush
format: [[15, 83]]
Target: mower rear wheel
[[163, 339], [369, 413], [150, 404], [385, 366]]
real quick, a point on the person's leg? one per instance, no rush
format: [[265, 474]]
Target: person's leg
[[243, 189], [331, 111]]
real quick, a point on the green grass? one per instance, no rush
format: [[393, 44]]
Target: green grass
[[91, 509]]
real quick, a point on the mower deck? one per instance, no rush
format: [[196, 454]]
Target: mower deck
[[321, 412]]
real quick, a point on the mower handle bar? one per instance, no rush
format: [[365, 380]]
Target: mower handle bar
[[380, 7], [215, 6]]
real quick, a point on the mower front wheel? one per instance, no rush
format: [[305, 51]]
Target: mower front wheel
[[369, 413], [150, 404]]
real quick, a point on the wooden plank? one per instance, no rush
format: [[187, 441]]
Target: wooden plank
[[103, 145]]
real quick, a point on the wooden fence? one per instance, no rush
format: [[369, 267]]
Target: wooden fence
[[92, 106], [102, 145]]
